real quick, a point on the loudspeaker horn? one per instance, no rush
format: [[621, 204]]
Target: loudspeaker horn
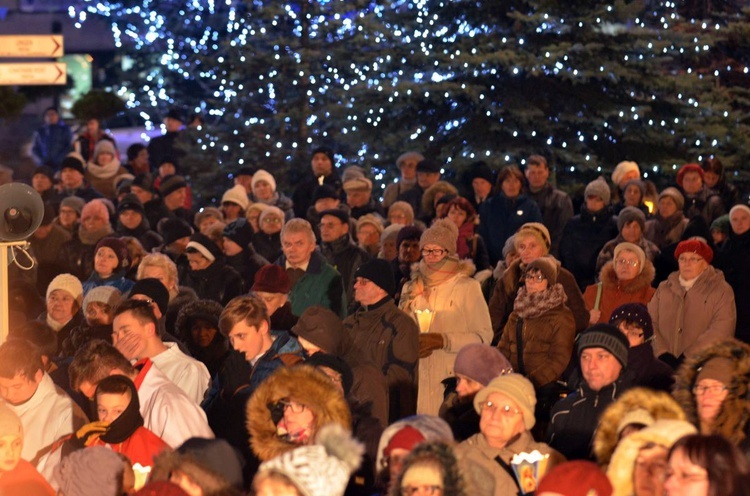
[[21, 211]]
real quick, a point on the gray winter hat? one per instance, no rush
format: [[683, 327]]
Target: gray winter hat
[[599, 187]]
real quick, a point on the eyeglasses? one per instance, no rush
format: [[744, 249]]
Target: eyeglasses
[[438, 252], [426, 490], [625, 262], [293, 406], [271, 220], [506, 410], [701, 390], [690, 260], [534, 277]]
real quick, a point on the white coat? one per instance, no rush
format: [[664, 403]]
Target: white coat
[[186, 372]]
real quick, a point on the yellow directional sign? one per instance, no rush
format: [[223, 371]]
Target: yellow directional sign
[[41, 73], [28, 46]]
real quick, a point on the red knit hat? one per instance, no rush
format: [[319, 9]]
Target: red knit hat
[[694, 246], [688, 168], [578, 478], [406, 438], [272, 279]]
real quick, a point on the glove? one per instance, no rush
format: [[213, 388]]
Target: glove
[[429, 342], [670, 360], [90, 432]]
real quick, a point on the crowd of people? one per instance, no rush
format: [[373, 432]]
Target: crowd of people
[[445, 340]]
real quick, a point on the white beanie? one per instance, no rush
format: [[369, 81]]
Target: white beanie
[[266, 176], [68, 283], [623, 168], [238, 195]]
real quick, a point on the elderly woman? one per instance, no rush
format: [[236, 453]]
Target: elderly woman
[[693, 308], [531, 242], [470, 244], [264, 191], [267, 241], [712, 388], [538, 338], [506, 415], [625, 279], [503, 214], [443, 284], [667, 226], [77, 255], [733, 259], [64, 299], [630, 225]]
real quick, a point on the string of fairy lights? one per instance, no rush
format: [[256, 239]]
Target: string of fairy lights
[[336, 54]]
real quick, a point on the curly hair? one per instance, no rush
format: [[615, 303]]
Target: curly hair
[[439, 455]]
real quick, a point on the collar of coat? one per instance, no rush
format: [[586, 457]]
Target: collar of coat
[[609, 279]]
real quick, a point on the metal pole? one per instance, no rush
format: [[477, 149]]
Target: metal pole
[[4, 293]]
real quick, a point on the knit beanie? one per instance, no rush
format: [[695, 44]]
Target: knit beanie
[[325, 151], [412, 233], [172, 229], [598, 187], [509, 246], [538, 230], [637, 183], [321, 327], [205, 212], [45, 170], [675, 195], [688, 168], [608, 337], [482, 171], [74, 202], [371, 219], [636, 313], [216, 456], [323, 468], [262, 175], [405, 208], [204, 245], [337, 364], [144, 182], [694, 246], [358, 184], [75, 161], [631, 214], [443, 233], [171, 183], [154, 289], [240, 231], [10, 424], [324, 191], [237, 195], [68, 283], [481, 363], [94, 470], [118, 246], [546, 266], [352, 172], [272, 279], [576, 478], [405, 438], [516, 387], [104, 146], [720, 369], [106, 295], [130, 202], [380, 272], [635, 249], [95, 208], [622, 169], [722, 223]]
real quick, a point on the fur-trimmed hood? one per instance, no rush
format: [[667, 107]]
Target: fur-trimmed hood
[[663, 433], [659, 404], [735, 410], [609, 280], [303, 384]]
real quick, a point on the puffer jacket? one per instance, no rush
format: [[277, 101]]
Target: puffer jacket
[[303, 384], [616, 292], [687, 321], [547, 341], [732, 421]]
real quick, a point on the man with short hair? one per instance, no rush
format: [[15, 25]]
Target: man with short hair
[[46, 412], [314, 281], [603, 354], [339, 249], [138, 163], [167, 411], [555, 205], [409, 253], [72, 170], [359, 198], [407, 165], [324, 171], [135, 334], [386, 335], [52, 140]]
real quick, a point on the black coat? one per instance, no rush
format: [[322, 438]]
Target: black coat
[[345, 257], [149, 239], [217, 282], [267, 246], [582, 240], [734, 260], [303, 195], [247, 263]]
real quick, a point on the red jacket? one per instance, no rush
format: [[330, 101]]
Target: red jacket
[[24, 479], [141, 447]]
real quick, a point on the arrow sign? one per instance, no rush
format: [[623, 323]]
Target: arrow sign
[[23, 46], [43, 73]]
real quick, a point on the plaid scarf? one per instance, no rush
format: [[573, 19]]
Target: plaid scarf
[[528, 306]]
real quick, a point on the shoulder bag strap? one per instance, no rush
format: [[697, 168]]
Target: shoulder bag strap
[[519, 345], [510, 472], [598, 296]]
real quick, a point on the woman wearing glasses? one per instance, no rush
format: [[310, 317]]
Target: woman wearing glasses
[[442, 283], [625, 279], [693, 308], [712, 388], [631, 224], [506, 416]]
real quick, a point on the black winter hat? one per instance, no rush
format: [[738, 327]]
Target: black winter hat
[[171, 183], [409, 232], [325, 151], [341, 215], [608, 337], [636, 313], [216, 456], [482, 170], [154, 289], [380, 272], [338, 364], [176, 114], [428, 165], [240, 231], [324, 191], [172, 229], [45, 170], [143, 181], [130, 202], [204, 245], [73, 161]]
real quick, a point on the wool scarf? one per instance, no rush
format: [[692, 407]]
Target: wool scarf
[[465, 233], [529, 306]]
